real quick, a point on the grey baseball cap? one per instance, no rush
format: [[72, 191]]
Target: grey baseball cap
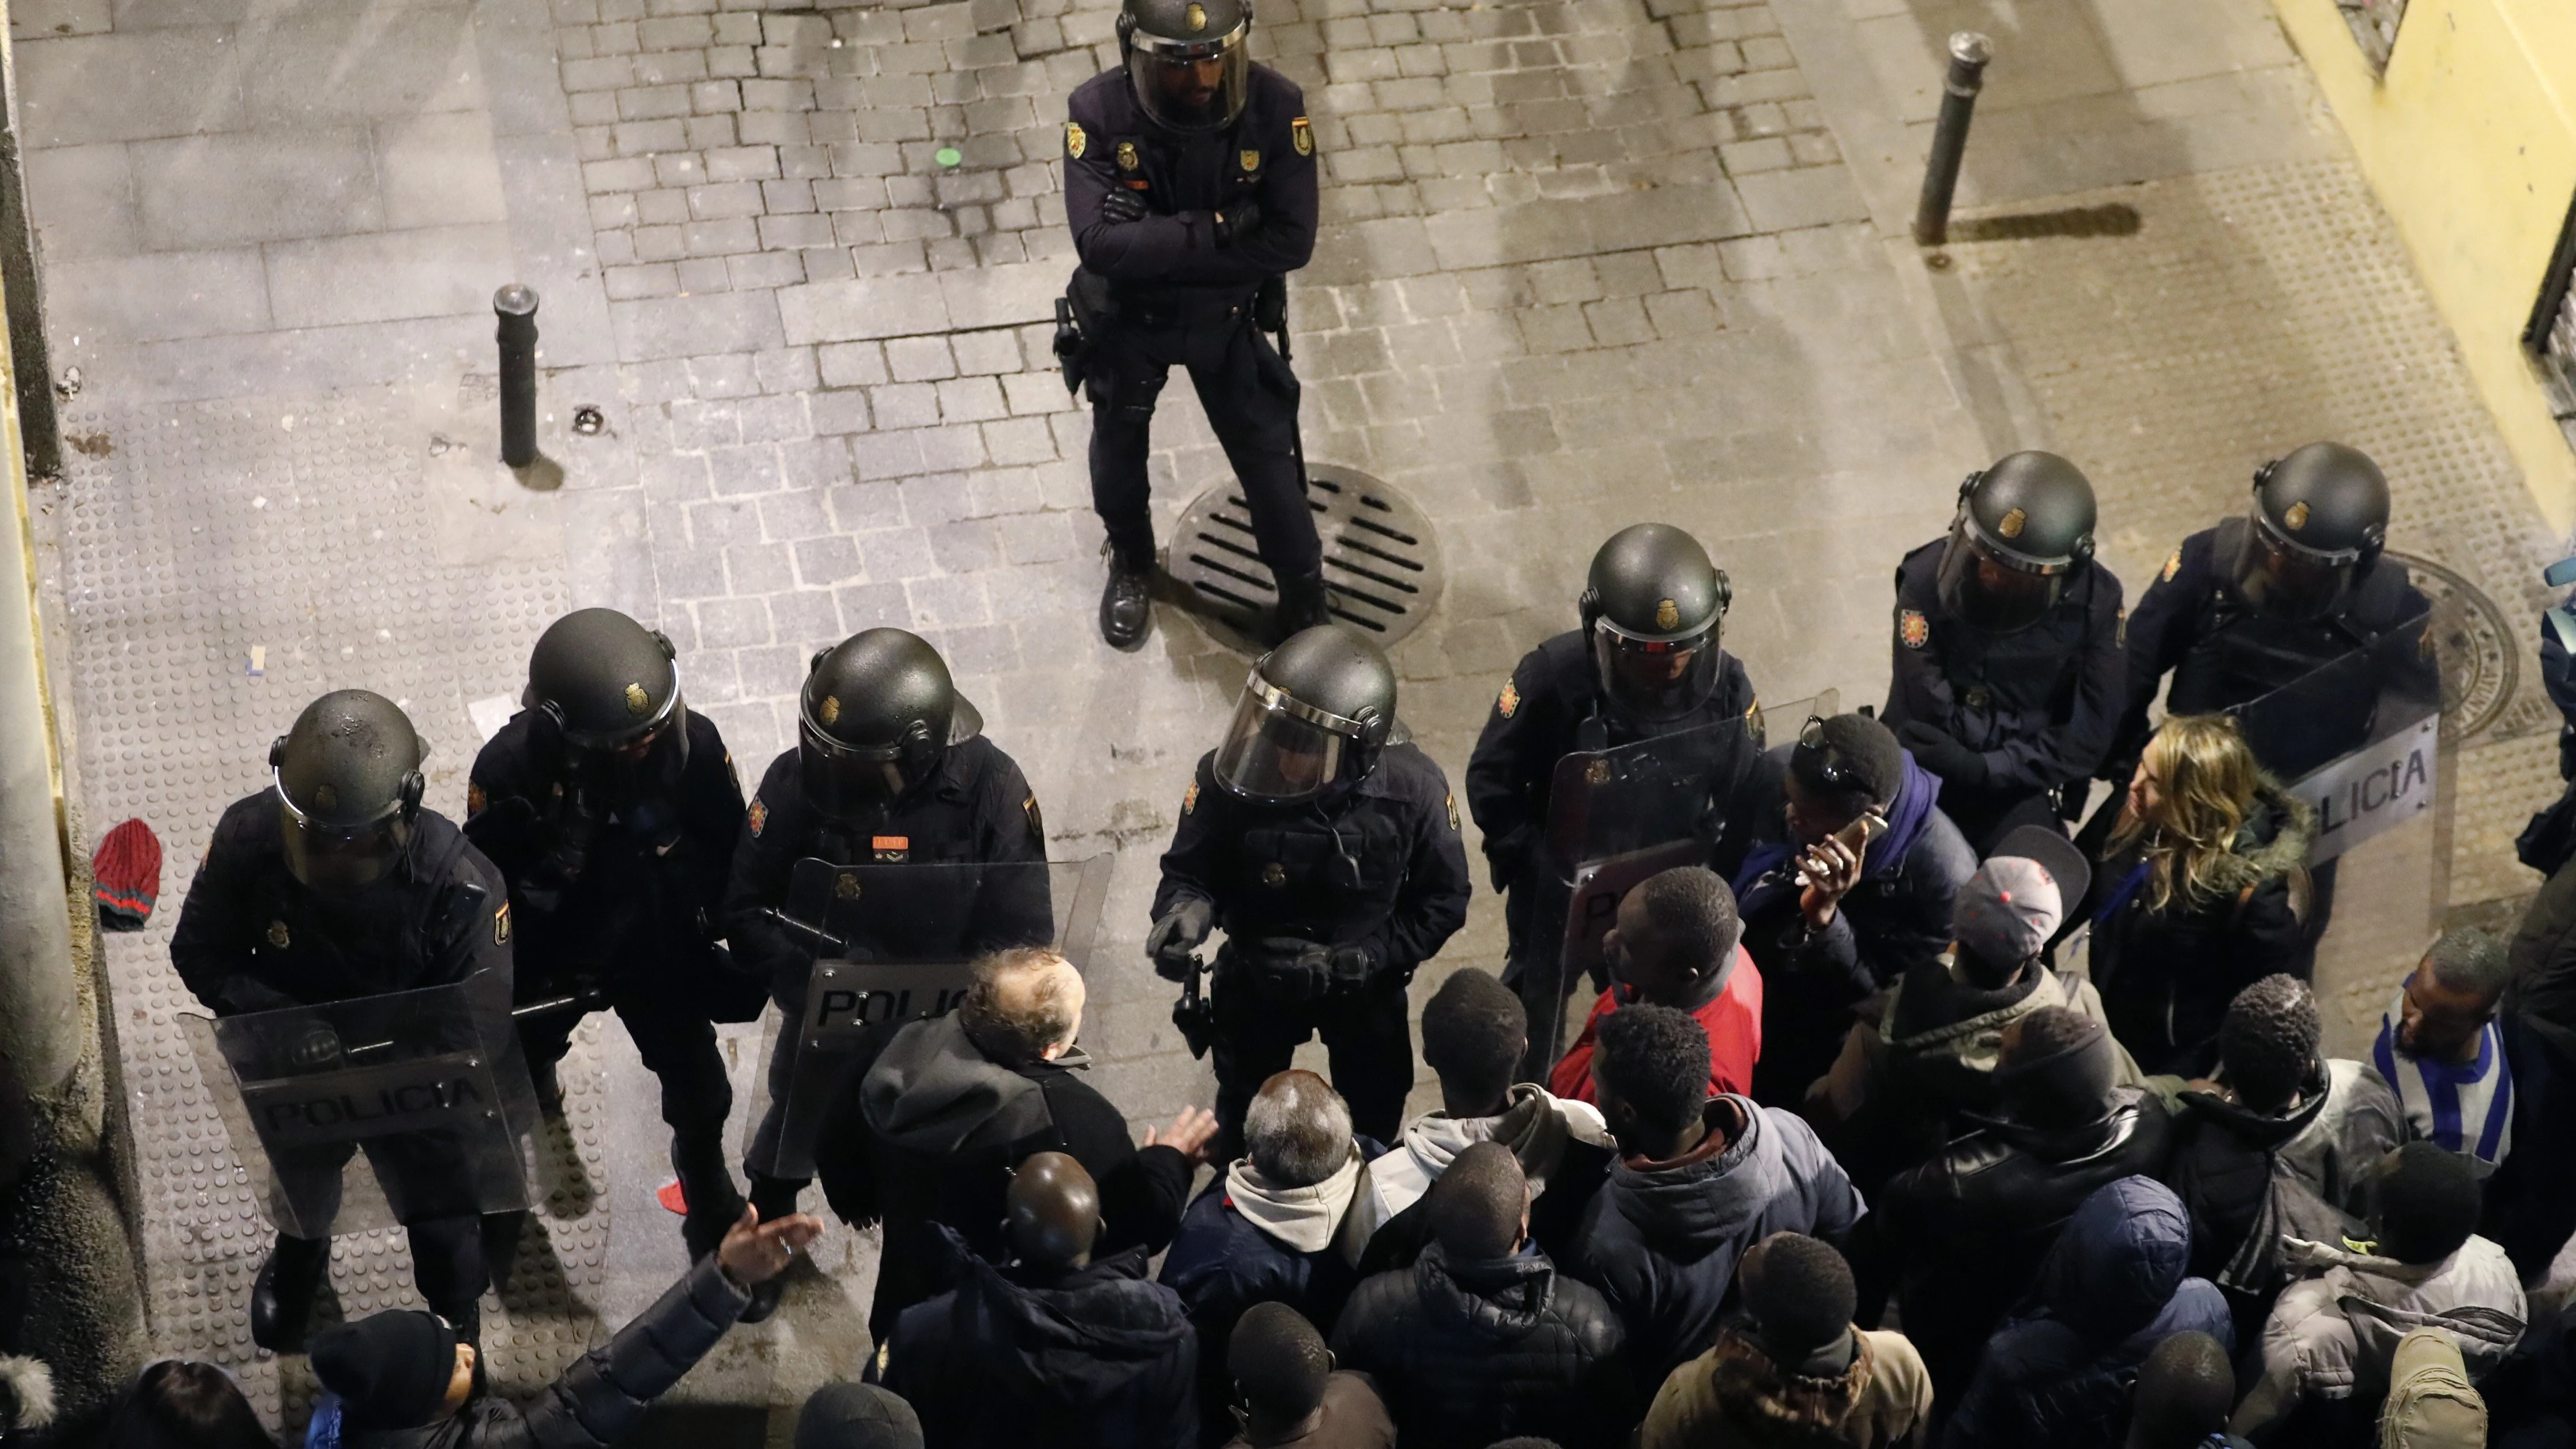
[[2007, 910]]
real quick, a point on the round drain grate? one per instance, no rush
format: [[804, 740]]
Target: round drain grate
[[2481, 654], [1381, 563]]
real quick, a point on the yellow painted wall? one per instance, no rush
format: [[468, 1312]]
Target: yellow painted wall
[[2470, 142]]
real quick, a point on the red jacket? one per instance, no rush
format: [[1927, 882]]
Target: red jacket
[[1732, 1019]]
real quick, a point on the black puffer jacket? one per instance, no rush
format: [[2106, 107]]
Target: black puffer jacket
[[1094, 1357], [603, 1397], [1467, 1354], [2167, 975], [1971, 1225]]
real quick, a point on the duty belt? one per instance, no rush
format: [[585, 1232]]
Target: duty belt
[[1160, 310]]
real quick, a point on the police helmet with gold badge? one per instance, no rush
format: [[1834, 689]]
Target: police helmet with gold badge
[[876, 716], [348, 784], [1314, 717], [1653, 613], [2023, 531], [1187, 61], [609, 690], [2317, 525]]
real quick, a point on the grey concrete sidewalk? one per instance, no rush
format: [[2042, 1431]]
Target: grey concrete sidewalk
[[1586, 262]]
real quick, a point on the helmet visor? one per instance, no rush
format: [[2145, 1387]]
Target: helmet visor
[[853, 782], [1199, 86], [1278, 751], [1992, 591], [646, 763], [331, 856], [638, 735], [2280, 580], [1654, 679]]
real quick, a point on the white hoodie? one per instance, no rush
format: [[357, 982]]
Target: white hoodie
[[1536, 1127]]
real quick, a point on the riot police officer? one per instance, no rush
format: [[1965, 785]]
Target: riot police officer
[[612, 809], [1327, 847], [1645, 663], [1189, 181], [336, 883], [2262, 600], [2008, 675], [890, 767]]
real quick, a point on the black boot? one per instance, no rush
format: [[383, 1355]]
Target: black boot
[[773, 1198], [1303, 604], [1127, 601], [281, 1297], [714, 1203]]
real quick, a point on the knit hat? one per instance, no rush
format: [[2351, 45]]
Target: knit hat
[[2007, 910], [857, 1416], [1800, 1293], [391, 1370], [2061, 1070], [126, 876]]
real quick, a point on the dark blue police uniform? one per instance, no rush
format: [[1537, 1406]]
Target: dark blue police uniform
[[1177, 293]]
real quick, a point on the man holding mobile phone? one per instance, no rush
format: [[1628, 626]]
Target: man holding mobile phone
[[1853, 894]]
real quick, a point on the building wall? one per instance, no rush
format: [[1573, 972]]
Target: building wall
[[2470, 141]]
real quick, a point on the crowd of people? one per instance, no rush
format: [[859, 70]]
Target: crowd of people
[[1851, 1146]]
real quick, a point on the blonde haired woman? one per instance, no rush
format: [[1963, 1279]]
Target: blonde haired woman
[[2203, 891]]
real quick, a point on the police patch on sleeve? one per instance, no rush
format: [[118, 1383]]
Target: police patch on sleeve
[[1508, 703], [501, 925], [1452, 802], [1190, 798], [759, 817], [1074, 140], [1912, 629], [2173, 566], [1302, 135], [1037, 823], [474, 801]]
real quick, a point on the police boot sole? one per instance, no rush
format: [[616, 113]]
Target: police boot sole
[[275, 1323]]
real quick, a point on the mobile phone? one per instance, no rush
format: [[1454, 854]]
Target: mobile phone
[[1869, 825], [2560, 574]]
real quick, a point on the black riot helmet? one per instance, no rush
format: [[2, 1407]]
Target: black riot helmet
[[2024, 528], [348, 787], [1652, 609], [2319, 520], [1187, 61], [1315, 715], [877, 715], [608, 686]]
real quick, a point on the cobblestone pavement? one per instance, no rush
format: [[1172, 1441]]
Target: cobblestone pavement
[[1584, 262]]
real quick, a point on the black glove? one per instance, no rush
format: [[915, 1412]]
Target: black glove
[[1122, 205], [1176, 935], [1238, 222], [1935, 751], [1293, 969], [1345, 965], [1509, 857], [242, 994]]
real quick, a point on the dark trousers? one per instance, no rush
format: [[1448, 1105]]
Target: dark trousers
[[1364, 1030], [430, 1179], [1534, 968], [1987, 816], [1250, 397], [677, 1045]]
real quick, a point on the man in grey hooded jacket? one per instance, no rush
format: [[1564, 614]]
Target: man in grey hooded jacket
[[2333, 1334], [947, 1107]]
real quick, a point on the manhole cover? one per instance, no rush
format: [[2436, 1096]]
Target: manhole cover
[[2481, 654], [1381, 563]]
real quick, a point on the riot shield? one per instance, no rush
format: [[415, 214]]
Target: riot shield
[[428, 1085], [2355, 737], [897, 942], [2360, 740], [1615, 817]]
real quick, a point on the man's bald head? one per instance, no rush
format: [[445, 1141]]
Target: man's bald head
[[1025, 1005], [1054, 1212]]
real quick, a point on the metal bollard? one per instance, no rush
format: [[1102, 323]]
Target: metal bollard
[[516, 306], [1969, 53]]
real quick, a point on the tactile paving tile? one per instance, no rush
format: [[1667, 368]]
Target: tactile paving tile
[[293, 531], [2173, 362]]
